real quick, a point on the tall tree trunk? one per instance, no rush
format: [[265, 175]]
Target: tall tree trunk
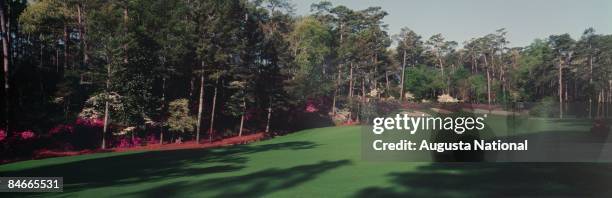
[[598, 113], [441, 65], [200, 104], [57, 67], [363, 99], [351, 82], [82, 32], [106, 105], [163, 105], [476, 66], [387, 89], [41, 82], [566, 99], [41, 61], [212, 113], [609, 98], [590, 84], [334, 101], [66, 44], [374, 77], [503, 82], [269, 116], [125, 29], [488, 83], [560, 90], [5, 61], [339, 76], [336, 89], [447, 90], [350, 94], [191, 87], [105, 130], [363, 90], [242, 117], [401, 97]]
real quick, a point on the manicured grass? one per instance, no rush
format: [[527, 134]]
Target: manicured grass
[[324, 162]]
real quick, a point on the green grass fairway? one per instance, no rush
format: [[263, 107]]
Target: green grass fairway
[[324, 162]]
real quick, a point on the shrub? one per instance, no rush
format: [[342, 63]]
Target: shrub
[[127, 141], [546, 107], [310, 107], [23, 144], [28, 134], [179, 119], [2, 135]]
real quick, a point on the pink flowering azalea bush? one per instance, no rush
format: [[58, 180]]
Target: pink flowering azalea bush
[[2, 134], [94, 122], [312, 113], [28, 134], [82, 134], [319, 105], [126, 142], [60, 137], [311, 107], [152, 138], [19, 144]]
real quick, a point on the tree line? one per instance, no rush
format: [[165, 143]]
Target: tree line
[[208, 68]]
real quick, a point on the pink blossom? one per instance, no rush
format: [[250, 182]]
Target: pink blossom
[[124, 143], [90, 122], [26, 134], [310, 108], [97, 122], [2, 134], [81, 121], [136, 141], [127, 142], [152, 139]]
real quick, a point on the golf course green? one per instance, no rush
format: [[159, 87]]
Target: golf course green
[[323, 162]]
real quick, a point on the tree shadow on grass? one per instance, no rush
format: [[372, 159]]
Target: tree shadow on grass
[[499, 179], [256, 184], [152, 166]]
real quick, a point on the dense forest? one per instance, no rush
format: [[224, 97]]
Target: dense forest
[[207, 69]]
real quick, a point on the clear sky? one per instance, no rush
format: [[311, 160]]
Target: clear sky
[[460, 20]]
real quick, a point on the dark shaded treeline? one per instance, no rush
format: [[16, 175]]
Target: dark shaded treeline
[[255, 65]]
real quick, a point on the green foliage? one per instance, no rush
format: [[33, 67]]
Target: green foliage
[[479, 87], [546, 107], [311, 45], [237, 102], [134, 80], [45, 16], [258, 54], [179, 119], [535, 61], [409, 42], [423, 81], [459, 79], [95, 105]]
